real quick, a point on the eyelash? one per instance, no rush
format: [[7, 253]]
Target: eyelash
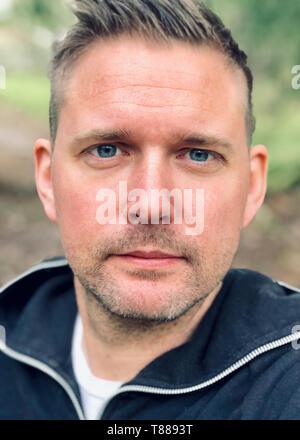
[[214, 154], [90, 149]]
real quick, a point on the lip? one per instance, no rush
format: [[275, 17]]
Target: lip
[[149, 259], [149, 254]]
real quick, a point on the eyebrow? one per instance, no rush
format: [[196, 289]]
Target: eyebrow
[[101, 135], [206, 140], [115, 135]]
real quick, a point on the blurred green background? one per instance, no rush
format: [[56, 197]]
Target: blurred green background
[[269, 33]]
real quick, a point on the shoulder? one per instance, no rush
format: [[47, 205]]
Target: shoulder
[[18, 291], [256, 281], [41, 270], [276, 390], [271, 303]]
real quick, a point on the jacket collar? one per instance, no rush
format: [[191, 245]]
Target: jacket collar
[[38, 312], [250, 310]]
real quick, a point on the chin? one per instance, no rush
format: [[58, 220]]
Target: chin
[[148, 309]]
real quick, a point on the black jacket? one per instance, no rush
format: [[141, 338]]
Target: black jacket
[[242, 361]]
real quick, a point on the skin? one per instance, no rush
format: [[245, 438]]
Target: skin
[[161, 94]]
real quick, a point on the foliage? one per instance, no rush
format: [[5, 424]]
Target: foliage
[[267, 30], [28, 92], [269, 33], [52, 14]]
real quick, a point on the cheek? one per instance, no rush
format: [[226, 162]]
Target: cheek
[[76, 208], [223, 212]]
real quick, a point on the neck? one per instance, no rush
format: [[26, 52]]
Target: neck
[[117, 348]]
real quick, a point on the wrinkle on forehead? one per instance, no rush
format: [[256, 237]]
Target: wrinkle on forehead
[[142, 77], [176, 90], [139, 83], [193, 84], [147, 97], [110, 66]]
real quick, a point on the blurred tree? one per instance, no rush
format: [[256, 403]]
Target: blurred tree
[[267, 30], [26, 36], [51, 14]]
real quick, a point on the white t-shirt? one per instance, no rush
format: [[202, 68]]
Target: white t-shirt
[[94, 391]]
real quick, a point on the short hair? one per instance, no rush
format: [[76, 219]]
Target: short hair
[[189, 21]]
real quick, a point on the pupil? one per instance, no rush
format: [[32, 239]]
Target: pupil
[[106, 150], [200, 156]]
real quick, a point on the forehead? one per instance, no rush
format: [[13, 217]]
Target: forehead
[[133, 80]]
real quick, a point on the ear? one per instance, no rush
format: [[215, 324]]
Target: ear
[[42, 157], [257, 183]]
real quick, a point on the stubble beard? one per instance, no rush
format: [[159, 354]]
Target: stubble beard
[[103, 295]]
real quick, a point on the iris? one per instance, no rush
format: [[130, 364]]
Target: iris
[[106, 150], [199, 155]]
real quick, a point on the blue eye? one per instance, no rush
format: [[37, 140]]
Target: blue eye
[[106, 150], [199, 155]]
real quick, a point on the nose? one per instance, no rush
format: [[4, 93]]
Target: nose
[[150, 188]]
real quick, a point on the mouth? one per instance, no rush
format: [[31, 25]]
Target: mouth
[[149, 259]]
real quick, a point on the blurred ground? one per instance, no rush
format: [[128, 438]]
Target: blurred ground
[[27, 236]]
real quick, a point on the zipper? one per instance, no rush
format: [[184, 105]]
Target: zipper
[[136, 388], [241, 362], [143, 388], [45, 369], [32, 361]]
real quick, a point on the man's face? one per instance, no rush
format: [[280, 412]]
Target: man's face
[[167, 117]]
